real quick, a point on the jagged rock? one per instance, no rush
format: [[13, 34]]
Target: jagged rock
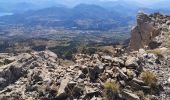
[[2, 82], [142, 51], [101, 67], [129, 95], [124, 70], [122, 74], [130, 73], [168, 23], [168, 81], [61, 90], [81, 75], [107, 58], [152, 97], [96, 98], [72, 83], [9, 60], [91, 92], [165, 27], [139, 85], [95, 70], [93, 73], [140, 82], [11, 74], [77, 92], [131, 62], [119, 61], [84, 69], [154, 44], [143, 32]]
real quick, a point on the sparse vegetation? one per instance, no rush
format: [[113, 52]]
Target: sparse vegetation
[[149, 78], [157, 52], [111, 90]]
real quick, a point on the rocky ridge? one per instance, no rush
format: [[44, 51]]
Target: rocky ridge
[[138, 75], [147, 28]]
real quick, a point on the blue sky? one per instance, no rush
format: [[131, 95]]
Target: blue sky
[[78, 1], [74, 2]]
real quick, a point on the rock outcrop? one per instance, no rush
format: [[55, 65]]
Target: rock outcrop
[[39, 75], [148, 27]]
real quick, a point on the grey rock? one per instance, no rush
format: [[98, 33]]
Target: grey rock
[[91, 92], [9, 60], [64, 83], [94, 72], [140, 82], [129, 95], [122, 74], [168, 81], [131, 62], [107, 58], [119, 61]]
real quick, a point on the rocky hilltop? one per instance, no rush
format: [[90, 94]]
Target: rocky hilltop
[[147, 28], [143, 74]]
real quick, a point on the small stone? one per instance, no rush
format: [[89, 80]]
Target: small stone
[[140, 82], [122, 74], [93, 72], [124, 70], [142, 51], [81, 74], [131, 62], [90, 92], [119, 61], [168, 81], [72, 83], [2, 82], [84, 69], [107, 58], [127, 94]]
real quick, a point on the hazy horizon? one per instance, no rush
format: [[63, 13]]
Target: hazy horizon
[[75, 2]]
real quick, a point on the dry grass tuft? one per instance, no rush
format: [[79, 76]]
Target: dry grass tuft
[[111, 90], [149, 78], [157, 52]]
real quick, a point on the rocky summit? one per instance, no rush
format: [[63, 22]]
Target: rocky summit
[[147, 28], [143, 74]]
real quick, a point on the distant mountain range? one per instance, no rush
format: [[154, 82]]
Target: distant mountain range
[[106, 15], [19, 6], [83, 16]]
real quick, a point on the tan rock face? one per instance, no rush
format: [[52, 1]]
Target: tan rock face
[[146, 29]]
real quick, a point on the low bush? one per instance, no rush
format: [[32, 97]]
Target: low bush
[[149, 78], [111, 90]]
